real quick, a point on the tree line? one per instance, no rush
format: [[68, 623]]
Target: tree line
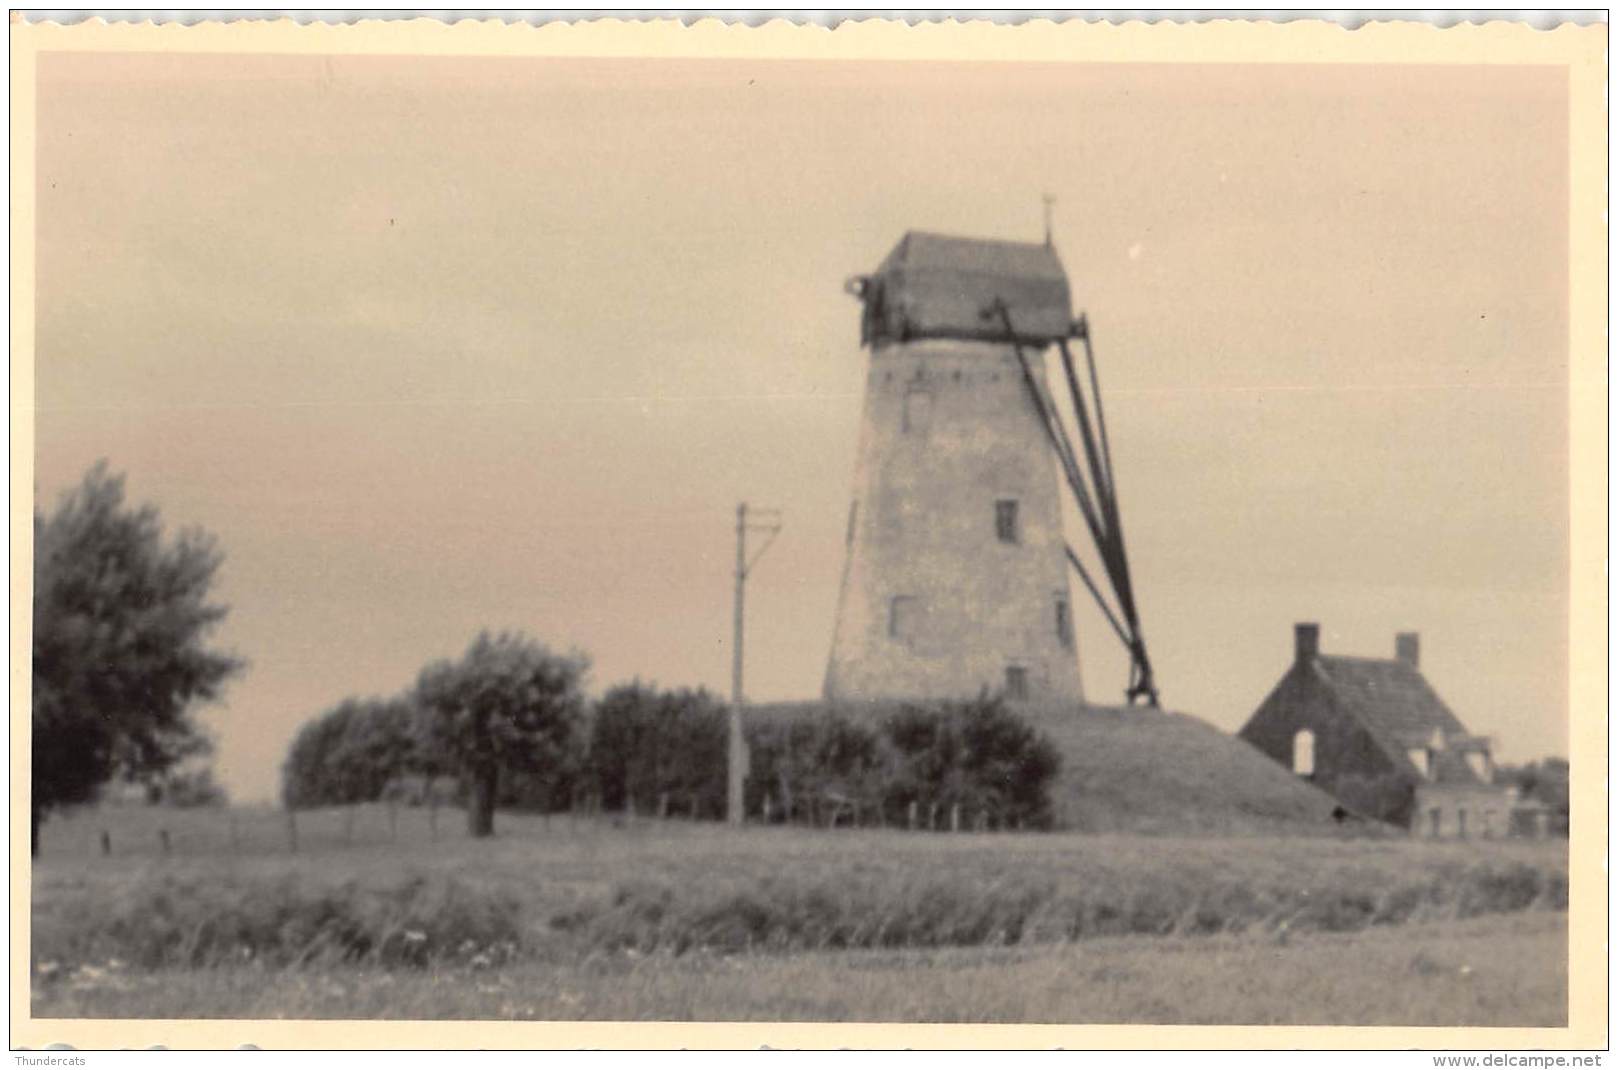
[[123, 656], [508, 723]]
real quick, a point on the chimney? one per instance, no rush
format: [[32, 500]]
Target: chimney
[[1306, 641], [1407, 648]]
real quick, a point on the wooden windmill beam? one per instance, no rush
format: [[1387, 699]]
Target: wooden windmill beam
[[1145, 685], [1058, 437], [1101, 514], [1095, 592]]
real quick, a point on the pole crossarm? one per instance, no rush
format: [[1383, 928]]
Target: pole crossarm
[[770, 532]]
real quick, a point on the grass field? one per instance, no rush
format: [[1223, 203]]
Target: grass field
[[1482, 972], [671, 920]]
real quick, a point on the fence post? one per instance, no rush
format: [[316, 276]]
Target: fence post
[[663, 806], [764, 807], [348, 823], [106, 844], [955, 817], [912, 815], [292, 830], [163, 839]]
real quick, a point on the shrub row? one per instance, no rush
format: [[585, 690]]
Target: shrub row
[[665, 751], [974, 758]]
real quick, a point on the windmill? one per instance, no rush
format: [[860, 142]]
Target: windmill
[[956, 575]]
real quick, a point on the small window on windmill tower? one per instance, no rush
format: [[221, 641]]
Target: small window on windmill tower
[[1064, 621], [1016, 683], [1303, 753], [1005, 521], [918, 411]]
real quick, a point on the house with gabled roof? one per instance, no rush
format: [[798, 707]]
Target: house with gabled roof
[[1374, 733]]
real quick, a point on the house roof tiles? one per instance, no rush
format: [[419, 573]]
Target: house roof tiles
[[1400, 710]]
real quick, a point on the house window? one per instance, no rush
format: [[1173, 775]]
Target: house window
[[1016, 682], [853, 513], [1435, 819], [1064, 621], [1421, 758], [1460, 823], [918, 411], [1005, 520], [1303, 753], [902, 616], [1488, 824], [1479, 761]]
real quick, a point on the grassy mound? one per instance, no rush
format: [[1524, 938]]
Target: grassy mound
[[1153, 772], [1147, 772]]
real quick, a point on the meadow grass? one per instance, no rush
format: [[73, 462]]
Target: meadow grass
[[1500, 970], [563, 891]]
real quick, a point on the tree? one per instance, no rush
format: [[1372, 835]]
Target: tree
[[646, 742], [508, 704], [350, 753], [620, 730], [121, 625]]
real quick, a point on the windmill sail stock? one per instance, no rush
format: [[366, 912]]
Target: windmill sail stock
[[1098, 500]]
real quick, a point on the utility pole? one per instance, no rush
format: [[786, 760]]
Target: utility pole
[[737, 758]]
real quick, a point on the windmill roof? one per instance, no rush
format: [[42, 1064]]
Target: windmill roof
[[1400, 710], [1010, 260], [938, 285]]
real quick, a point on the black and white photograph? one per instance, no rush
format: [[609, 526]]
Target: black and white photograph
[[1086, 525]]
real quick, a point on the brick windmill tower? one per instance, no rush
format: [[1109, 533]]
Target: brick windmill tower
[[956, 575]]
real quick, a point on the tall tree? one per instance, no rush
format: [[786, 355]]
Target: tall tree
[[122, 621], [508, 704]]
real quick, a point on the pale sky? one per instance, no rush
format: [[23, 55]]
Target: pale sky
[[435, 345]]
